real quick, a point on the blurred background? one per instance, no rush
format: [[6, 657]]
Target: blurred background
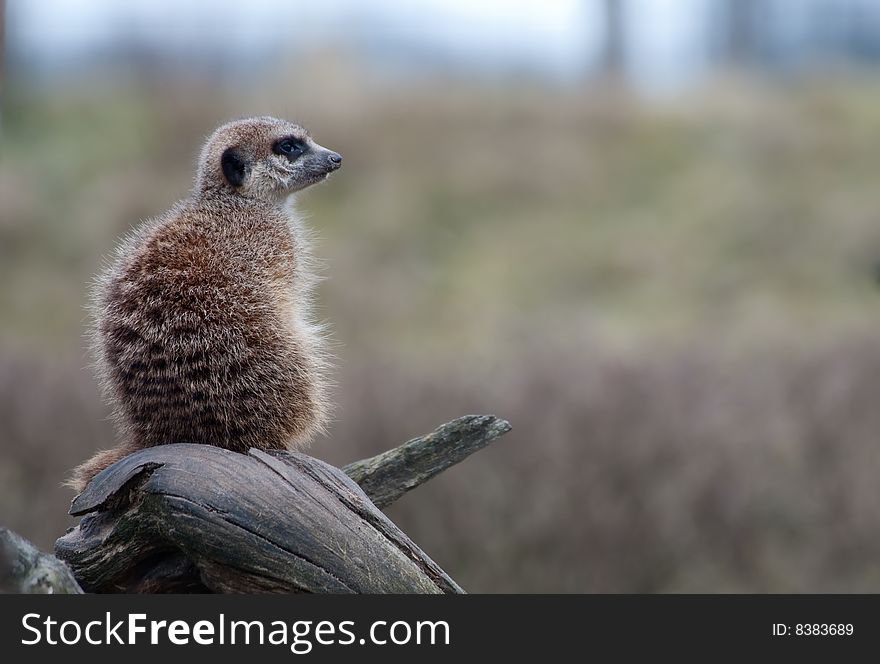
[[647, 232]]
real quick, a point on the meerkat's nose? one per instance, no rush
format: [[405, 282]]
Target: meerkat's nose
[[335, 159]]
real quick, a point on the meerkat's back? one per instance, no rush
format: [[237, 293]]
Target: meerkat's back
[[203, 330]]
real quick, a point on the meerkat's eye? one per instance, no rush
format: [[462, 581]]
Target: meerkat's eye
[[289, 147]]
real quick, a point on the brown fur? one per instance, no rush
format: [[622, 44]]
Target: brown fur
[[202, 327]]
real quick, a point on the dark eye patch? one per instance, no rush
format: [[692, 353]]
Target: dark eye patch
[[289, 147]]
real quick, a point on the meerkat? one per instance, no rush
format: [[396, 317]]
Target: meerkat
[[203, 331]]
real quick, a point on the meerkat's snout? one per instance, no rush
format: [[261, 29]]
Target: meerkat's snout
[[335, 160], [326, 159], [305, 161]]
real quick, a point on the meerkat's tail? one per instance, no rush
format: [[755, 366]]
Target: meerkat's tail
[[83, 474]]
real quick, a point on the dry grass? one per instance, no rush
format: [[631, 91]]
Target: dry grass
[[675, 470]]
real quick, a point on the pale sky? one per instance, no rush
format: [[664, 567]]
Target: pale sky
[[555, 38]]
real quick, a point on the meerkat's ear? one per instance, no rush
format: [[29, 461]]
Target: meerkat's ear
[[235, 167]]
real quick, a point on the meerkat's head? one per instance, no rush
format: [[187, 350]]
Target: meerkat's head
[[264, 158]]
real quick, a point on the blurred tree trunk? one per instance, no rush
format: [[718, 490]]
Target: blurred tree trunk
[[741, 38], [614, 52], [2, 57]]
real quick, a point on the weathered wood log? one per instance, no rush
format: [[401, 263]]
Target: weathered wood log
[[25, 569], [196, 518]]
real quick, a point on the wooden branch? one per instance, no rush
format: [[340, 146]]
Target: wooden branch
[[387, 476], [197, 518], [25, 569]]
